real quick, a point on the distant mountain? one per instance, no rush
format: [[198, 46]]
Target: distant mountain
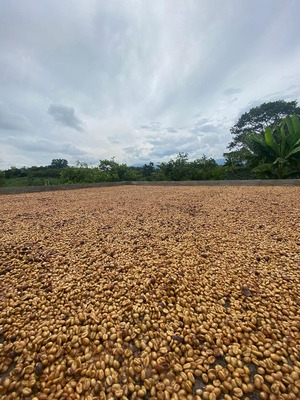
[[220, 161]]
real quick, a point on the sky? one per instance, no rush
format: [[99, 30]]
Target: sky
[[138, 80]]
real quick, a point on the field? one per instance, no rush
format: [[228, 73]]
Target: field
[[150, 293]]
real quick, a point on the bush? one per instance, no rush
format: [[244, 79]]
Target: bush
[[2, 178], [79, 175]]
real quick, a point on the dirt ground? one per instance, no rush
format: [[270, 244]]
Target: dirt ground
[[150, 293]]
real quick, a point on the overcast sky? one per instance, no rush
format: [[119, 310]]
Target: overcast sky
[[138, 80]]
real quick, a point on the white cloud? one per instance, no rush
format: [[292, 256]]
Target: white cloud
[[44, 146], [129, 78], [10, 120]]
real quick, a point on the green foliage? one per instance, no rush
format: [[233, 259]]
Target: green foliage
[[59, 163], [18, 181], [148, 171], [259, 118], [79, 174], [30, 181], [42, 172], [111, 171], [237, 172], [36, 181], [236, 158], [35, 176], [2, 178], [174, 170], [205, 169], [276, 154], [180, 169], [237, 166], [15, 172]]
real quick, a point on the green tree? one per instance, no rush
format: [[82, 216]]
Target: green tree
[[237, 166], [2, 178], [259, 118], [174, 170], [15, 172], [80, 174], [148, 171], [111, 171], [59, 163], [204, 168], [276, 153], [181, 169]]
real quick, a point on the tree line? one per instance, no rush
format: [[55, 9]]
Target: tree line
[[266, 144], [59, 171]]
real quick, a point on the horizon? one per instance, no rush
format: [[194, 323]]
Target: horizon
[[219, 161]]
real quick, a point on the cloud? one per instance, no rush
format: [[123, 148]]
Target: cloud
[[205, 136], [65, 116], [10, 120], [170, 129], [113, 139], [231, 91], [205, 125], [45, 146], [153, 126], [158, 76]]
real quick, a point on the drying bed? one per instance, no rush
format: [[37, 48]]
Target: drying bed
[[150, 293]]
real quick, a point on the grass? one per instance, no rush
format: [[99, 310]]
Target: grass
[[25, 181]]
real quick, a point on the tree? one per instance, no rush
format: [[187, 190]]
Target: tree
[[181, 169], [174, 170], [259, 118], [148, 171], [237, 166], [2, 178], [59, 163], [80, 174], [277, 152], [111, 171]]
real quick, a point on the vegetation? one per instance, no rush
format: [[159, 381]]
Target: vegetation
[[257, 119], [110, 171], [265, 142], [32, 176], [180, 169], [276, 154], [79, 174], [2, 178]]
